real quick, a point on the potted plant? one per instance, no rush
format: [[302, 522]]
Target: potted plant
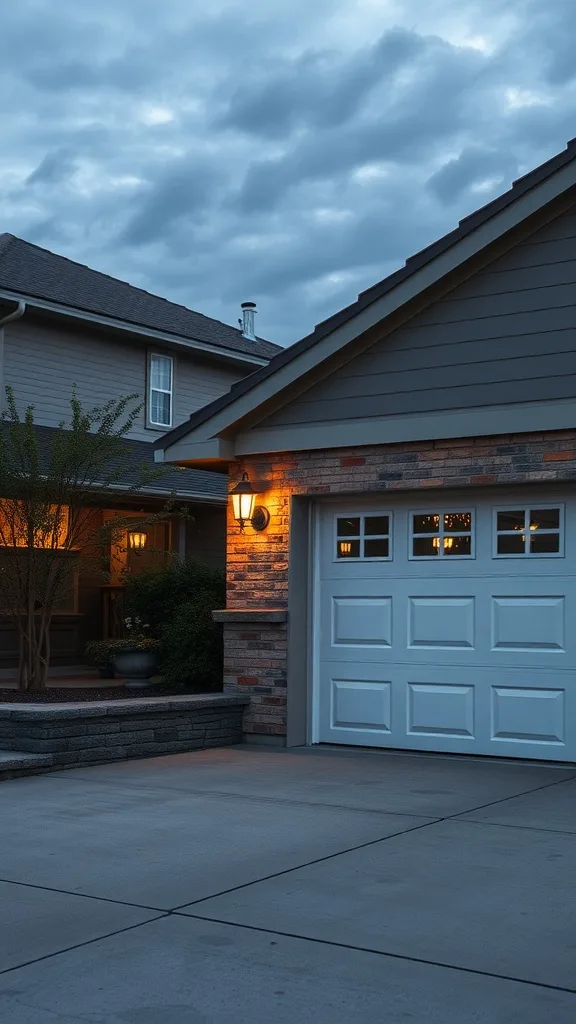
[[136, 654]]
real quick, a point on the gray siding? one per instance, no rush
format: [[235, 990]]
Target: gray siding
[[42, 363], [506, 336]]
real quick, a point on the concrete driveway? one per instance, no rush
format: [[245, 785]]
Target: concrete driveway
[[265, 886]]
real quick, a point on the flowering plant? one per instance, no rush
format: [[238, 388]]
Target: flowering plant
[[135, 638], [135, 628]]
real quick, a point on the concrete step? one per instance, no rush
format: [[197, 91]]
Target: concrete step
[[19, 762]]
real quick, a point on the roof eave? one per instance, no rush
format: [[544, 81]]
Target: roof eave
[[150, 333]]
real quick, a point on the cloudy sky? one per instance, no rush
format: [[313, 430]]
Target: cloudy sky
[[291, 152]]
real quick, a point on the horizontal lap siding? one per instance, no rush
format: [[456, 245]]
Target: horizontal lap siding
[[44, 363], [507, 335]]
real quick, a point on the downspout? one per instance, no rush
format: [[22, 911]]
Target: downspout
[[18, 312]]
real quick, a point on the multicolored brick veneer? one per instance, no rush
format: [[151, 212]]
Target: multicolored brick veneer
[[257, 563]]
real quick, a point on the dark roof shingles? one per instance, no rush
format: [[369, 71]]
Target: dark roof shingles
[[187, 483], [27, 269]]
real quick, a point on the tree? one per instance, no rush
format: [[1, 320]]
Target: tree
[[48, 498]]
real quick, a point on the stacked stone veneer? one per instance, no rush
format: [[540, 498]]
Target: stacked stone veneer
[[257, 563], [91, 733]]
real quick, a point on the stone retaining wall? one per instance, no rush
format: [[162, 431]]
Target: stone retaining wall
[[94, 732]]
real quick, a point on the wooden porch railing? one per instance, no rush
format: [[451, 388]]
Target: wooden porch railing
[[112, 611]]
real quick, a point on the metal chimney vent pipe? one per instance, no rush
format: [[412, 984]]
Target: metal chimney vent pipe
[[247, 321]]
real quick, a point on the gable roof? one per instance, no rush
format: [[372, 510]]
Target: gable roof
[[530, 193], [28, 271]]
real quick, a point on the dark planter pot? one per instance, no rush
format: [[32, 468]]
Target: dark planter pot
[[137, 667]]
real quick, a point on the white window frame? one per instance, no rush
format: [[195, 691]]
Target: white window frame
[[441, 512], [361, 537], [522, 506], [150, 421]]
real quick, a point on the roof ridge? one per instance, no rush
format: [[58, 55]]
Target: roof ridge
[[116, 280]]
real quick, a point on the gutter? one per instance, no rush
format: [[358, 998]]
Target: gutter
[[146, 332], [15, 315]]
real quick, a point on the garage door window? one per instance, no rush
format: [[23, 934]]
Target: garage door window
[[529, 532], [363, 537], [442, 535]]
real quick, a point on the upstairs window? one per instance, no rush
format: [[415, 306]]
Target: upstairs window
[[160, 390]]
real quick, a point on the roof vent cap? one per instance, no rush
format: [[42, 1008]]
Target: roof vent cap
[[247, 321]]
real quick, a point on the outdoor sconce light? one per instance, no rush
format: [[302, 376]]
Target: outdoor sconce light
[[137, 541], [245, 508]]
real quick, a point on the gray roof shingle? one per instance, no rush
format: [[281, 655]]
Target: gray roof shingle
[[186, 483], [29, 270]]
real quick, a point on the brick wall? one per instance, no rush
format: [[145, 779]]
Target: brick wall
[[257, 563]]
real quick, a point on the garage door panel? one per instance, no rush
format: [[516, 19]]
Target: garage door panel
[[361, 621], [440, 709], [528, 623], [441, 622], [475, 655], [361, 704], [530, 716]]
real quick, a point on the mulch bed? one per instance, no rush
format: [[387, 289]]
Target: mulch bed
[[72, 694]]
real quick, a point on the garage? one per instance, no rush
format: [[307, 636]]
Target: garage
[[446, 623], [402, 575]]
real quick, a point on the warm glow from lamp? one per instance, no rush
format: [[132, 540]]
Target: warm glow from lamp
[[243, 500], [345, 547], [137, 541]]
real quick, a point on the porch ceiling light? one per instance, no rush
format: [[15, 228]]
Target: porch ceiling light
[[137, 541], [245, 508]]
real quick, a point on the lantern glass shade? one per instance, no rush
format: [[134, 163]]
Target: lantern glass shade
[[137, 540], [243, 501], [243, 506]]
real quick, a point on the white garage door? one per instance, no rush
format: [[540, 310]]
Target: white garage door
[[448, 624]]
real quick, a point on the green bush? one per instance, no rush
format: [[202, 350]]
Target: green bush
[[155, 595], [192, 648], [177, 602]]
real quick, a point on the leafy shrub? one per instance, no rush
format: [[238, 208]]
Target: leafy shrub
[[155, 595], [192, 648], [177, 602]]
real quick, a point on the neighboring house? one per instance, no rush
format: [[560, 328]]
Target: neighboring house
[[65, 326], [417, 456]]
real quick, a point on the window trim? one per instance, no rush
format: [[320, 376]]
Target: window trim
[[520, 506], [362, 516], [441, 512], [151, 423]]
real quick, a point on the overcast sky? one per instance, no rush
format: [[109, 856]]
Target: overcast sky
[[291, 152]]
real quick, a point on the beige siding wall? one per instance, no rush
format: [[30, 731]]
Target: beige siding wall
[[506, 336], [42, 363]]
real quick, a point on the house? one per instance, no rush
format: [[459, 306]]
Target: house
[[415, 585], [65, 326]]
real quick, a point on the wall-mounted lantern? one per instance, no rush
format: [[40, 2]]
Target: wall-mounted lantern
[[137, 541], [245, 508]]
